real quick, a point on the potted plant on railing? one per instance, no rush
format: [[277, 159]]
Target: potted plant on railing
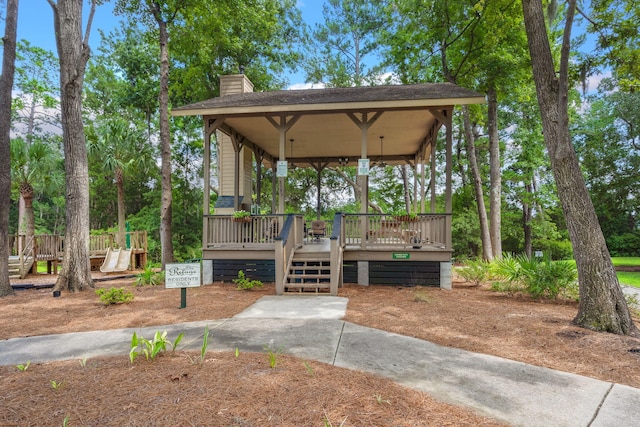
[[405, 216], [241, 216]]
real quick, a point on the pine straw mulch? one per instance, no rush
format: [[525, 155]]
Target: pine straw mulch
[[244, 391]]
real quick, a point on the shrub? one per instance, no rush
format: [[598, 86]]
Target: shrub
[[149, 277], [114, 296], [534, 276], [474, 271], [245, 283], [626, 244], [557, 249]]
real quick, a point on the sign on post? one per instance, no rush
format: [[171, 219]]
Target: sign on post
[[183, 276], [363, 167], [282, 168]]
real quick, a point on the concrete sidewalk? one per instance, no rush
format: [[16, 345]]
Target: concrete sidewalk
[[310, 327]]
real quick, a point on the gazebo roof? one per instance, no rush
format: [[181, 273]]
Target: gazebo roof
[[409, 116]]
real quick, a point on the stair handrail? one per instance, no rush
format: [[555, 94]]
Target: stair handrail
[[336, 252], [25, 250], [285, 247]]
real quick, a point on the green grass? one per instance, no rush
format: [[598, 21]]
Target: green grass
[[631, 279], [626, 261]]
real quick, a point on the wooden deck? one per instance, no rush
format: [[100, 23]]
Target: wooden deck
[[49, 248], [413, 245]]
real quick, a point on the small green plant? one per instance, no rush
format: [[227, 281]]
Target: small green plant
[[83, 362], [244, 283], [65, 422], [327, 423], [114, 296], [24, 367], [241, 214], [205, 343], [149, 277], [203, 348], [56, 384], [420, 296], [474, 271], [381, 400], [273, 356], [151, 348], [308, 368], [237, 352]]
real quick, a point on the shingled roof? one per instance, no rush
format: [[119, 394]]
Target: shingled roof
[[406, 117], [430, 94]]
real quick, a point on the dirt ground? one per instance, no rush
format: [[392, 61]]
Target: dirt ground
[[226, 390]]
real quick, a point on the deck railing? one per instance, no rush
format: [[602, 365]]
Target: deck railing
[[48, 247], [257, 231], [371, 231]]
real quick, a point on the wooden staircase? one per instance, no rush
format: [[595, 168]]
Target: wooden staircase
[[309, 272], [15, 272]]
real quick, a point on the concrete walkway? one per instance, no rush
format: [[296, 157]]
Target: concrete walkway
[[310, 327]]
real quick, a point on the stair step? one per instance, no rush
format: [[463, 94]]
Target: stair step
[[307, 285]]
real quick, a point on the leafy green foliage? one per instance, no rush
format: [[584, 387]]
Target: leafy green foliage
[[114, 296], [534, 276], [151, 348], [244, 283], [205, 344], [149, 276], [24, 367], [342, 43], [475, 271], [273, 355]]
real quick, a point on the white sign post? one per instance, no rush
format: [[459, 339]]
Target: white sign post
[[182, 276]]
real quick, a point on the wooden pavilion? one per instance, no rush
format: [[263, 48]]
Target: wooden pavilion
[[330, 127]]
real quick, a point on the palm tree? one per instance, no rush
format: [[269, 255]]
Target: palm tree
[[34, 167], [119, 147]]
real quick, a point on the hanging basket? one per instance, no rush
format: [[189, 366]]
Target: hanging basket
[[241, 219]]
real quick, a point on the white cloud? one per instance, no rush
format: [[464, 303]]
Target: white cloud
[[594, 81], [299, 86]]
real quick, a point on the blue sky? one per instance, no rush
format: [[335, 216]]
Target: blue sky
[[35, 23]]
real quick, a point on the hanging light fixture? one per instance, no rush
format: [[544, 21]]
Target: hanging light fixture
[[291, 165], [381, 163]]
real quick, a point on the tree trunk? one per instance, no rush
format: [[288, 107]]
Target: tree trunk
[[121, 210], [487, 252], [73, 53], [26, 221], [6, 84], [166, 240], [527, 216], [495, 176], [602, 304]]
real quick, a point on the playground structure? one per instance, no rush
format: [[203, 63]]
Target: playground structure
[[117, 259], [27, 251]]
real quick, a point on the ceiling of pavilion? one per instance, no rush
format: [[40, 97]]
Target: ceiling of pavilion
[[407, 118]]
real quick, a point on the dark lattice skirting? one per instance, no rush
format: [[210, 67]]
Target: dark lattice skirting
[[225, 270], [399, 273]]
